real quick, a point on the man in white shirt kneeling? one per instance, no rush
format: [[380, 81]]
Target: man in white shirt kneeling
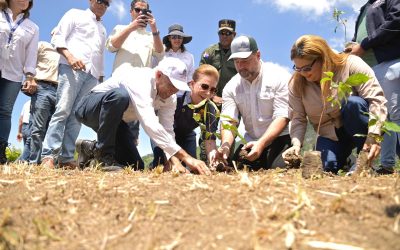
[[110, 105]]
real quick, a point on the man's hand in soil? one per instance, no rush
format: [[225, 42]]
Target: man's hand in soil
[[197, 166], [174, 164], [256, 149], [292, 150]]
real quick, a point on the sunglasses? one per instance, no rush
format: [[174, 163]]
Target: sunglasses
[[176, 37], [225, 33], [207, 87], [103, 2], [305, 68], [144, 11]]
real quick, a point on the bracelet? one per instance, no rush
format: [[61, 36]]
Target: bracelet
[[156, 33]]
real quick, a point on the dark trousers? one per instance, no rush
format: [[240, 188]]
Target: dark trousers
[[334, 154], [187, 143], [103, 113], [271, 157]]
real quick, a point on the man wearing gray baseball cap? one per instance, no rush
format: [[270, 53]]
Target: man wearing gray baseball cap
[[134, 96], [258, 94]]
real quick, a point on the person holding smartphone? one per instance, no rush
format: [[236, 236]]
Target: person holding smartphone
[[134, 46]]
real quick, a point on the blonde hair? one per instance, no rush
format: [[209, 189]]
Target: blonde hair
[[206, 69], [311, 47]]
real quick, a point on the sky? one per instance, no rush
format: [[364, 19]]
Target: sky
[[275, 25]]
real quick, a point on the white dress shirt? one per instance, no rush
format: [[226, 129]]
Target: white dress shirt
[[136, 51], [259, 102], [23, 47], [26, 112], [84, 37], [185, 57], [143, 105]]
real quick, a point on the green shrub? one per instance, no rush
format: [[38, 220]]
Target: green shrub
[[12, 153]]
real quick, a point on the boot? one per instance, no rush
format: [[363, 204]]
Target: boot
[[3, 158], [85, 149], [107, 162]]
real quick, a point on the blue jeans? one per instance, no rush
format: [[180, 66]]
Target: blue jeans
[[388, 75], [43, 105], [103, 113], [8, 95], [334, 154], [26, 136], [64, 127]]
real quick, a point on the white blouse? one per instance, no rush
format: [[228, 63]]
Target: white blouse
[[22, 48]]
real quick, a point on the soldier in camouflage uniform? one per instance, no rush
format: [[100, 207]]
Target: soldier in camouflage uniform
[[217, 55]]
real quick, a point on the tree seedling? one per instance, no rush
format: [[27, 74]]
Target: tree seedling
[[340, 21], [202, 113]]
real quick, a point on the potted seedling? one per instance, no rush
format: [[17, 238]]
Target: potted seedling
[[386, 127]]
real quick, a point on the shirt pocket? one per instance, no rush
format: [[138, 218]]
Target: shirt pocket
[[23, 35], [265, 101]]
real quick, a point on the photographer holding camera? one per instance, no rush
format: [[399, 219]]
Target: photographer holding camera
[[134, 46]]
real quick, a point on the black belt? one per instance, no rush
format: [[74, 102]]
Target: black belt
[[48, 82]]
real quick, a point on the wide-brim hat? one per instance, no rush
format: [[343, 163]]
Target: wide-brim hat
[[177, 29]]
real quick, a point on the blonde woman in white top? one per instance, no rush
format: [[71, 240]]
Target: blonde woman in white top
[[19, 38]]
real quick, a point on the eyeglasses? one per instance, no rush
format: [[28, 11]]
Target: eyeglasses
[[306, 68], [103, 2], [205, 86], [225, 33], [176, 37]]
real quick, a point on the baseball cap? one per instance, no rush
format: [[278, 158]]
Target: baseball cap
[[243, 47], [226, 24], [176, 71]]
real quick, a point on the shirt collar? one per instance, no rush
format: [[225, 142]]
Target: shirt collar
[[92, 15], [188, 98], [10, 14], [172, 51]]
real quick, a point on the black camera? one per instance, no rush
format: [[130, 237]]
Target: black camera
[[145, 11]]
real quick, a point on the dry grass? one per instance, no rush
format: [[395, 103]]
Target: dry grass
[[275, 209]]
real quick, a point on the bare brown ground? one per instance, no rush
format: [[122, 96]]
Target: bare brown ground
[[275, 209]]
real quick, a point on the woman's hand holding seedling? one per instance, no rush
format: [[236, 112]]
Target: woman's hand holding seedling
[[372, 147]]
